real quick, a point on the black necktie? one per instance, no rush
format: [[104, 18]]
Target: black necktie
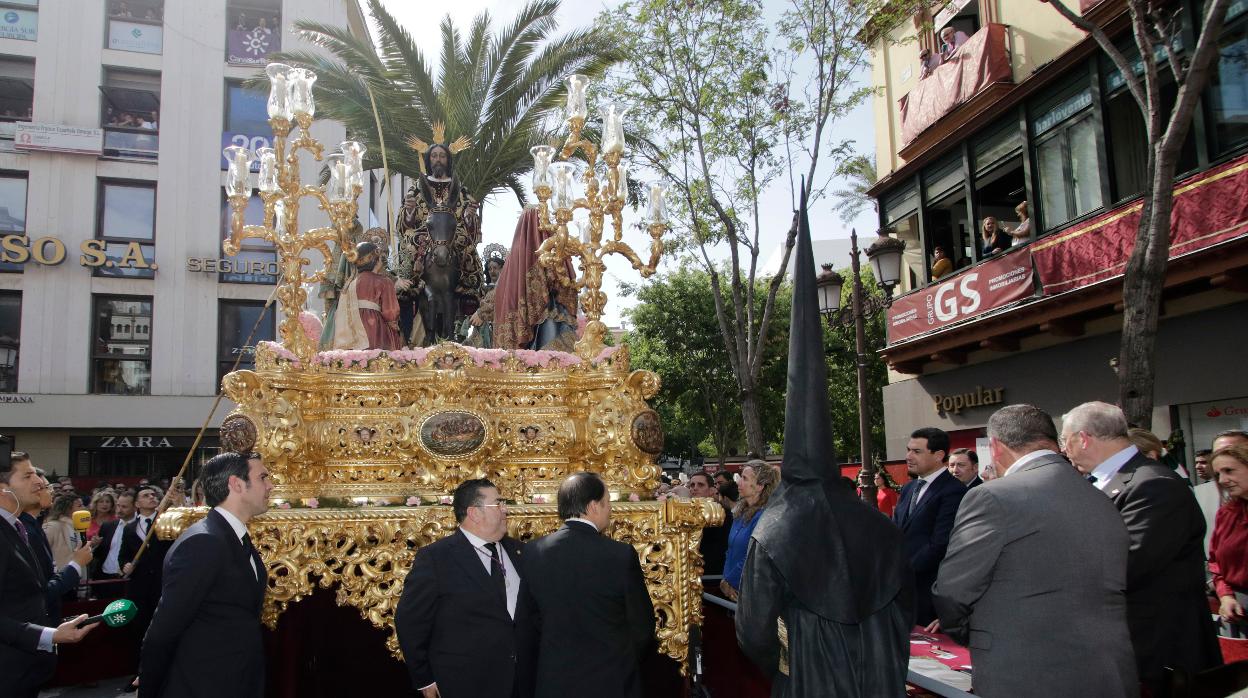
[[498, 573], [251, 555], [30, 557]]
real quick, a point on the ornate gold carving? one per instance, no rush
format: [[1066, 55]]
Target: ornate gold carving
[[238, 434], [383, 430], [648, 432], [365, 554]]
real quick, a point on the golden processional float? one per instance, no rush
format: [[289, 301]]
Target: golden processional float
[[366, 447]]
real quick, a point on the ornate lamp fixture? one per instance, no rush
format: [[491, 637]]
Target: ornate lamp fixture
[[291, 104], [601, 199]]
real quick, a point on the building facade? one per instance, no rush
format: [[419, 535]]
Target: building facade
[[118, 310], [1022, 108]]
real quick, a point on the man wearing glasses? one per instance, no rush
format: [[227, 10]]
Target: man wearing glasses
[[465, 628]]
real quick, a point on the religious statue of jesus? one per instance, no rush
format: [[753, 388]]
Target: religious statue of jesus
[[439, 229]]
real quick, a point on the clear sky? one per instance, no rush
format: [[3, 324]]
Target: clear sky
[[422, 19]]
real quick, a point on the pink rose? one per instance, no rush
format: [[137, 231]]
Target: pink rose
[[284, 505], [413, 501], [444, 500], [634, 498], [312, 503]]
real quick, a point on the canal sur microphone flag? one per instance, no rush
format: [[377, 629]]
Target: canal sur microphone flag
[[82, 521]]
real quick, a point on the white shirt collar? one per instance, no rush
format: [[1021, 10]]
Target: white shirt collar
[[477, 541], [934, 474], [240, 529], [1027, 458], [8, 516], [577, 518], [1110, 467]]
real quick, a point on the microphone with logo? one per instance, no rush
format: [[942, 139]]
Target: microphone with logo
[[115, 615], [82, 521]]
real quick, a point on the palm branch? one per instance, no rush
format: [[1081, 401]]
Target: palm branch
[[502, 89]]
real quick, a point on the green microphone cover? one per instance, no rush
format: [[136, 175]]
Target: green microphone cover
[[119, 612]]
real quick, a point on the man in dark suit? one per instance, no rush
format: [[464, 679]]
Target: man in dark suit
[[204, 640], [1034, 577], [925, 512], [1166, 607], [106, 564], [964, 465], [597, 619], [28, 635], [465, 627], [143, 581], [62, 582]]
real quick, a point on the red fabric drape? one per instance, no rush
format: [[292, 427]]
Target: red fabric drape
[[979, 62], [1208, 208], [523, 292]]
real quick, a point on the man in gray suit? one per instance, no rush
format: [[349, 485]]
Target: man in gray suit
[[1034, 578], [1167, 611]]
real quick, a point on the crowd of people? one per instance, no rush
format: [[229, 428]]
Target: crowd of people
[[1091, 567], [125, 119], [82, 545]]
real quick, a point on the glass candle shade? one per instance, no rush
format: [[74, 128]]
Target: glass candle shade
[[658, 204], [268, 171], [279, 91], [577, 85], [542, 155], [563, 174], [239, 166], [301, 101], [353, 155], [613, 128]]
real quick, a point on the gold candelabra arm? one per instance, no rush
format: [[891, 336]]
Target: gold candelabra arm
[[305, 141], [576, 142]]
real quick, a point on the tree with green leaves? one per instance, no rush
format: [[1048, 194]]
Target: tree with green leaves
[[1155, 28], [718, 104], [675, 334], [503, 89]]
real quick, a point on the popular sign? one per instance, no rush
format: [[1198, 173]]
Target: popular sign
[[975, 291]]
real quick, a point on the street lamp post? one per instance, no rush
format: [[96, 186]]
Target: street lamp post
[[885, 257]]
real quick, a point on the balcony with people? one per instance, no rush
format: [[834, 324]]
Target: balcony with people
[[130, 115], [1040, 199], [958, 70], [253, 31]]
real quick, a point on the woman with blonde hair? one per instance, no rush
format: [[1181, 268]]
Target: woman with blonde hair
[[756, 483], [59, 529], [103, 509]]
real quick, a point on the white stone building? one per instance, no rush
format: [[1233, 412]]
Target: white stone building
[[116, 320]]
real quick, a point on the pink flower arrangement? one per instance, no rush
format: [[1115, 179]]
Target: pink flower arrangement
[[634, 498], [415, 355], [539, 499], [284, 505], [413, 501], [494, 358], [544, 359], [312, 503], [312, 326], [444, 500], [348, 357], [488, 357]]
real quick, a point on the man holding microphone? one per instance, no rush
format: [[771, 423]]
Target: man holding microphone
[[27, 638]]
